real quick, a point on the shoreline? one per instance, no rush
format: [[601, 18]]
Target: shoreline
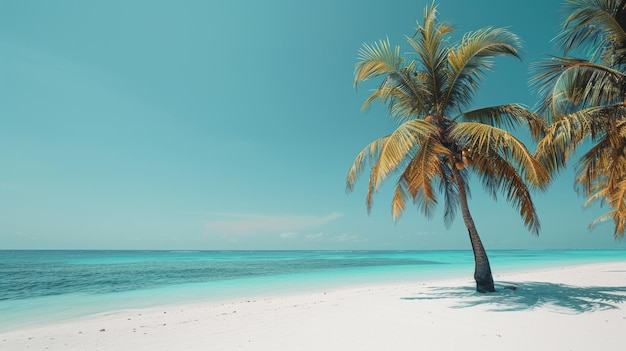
[[586, 303]]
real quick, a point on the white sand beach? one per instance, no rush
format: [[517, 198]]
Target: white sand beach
[[571, 308]]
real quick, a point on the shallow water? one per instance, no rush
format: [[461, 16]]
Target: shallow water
[[45, 286]]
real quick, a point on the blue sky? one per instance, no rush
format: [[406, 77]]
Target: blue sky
[[151, 124]]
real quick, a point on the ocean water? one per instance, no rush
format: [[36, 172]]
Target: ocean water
[[47, 286]]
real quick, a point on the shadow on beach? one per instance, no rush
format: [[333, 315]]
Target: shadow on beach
[[532, 295]]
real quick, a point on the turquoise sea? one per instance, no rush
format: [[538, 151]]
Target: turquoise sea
[[46, 286]]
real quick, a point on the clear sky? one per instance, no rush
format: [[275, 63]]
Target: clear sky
[[231, 124]]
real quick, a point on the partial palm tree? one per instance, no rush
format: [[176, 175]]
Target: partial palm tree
[[585, 100], [439, 140]]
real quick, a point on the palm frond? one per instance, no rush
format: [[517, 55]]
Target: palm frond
[[498, 175], [469, 61], [387, 153], [421, 173], [599, 168], [400, 197], [562, 137], [593, 24], [376, 60], [483, 166], [568, 84], [407, 136], [367, 155], [404, 94], [604, 165], [488, 140], [451, 193], [617, 200], [429, 44], [507, 116]]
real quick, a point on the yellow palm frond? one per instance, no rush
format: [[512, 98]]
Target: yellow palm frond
[[367, 155], [498, 174], [555, 148], [429, 45], [400, 197], [488, 140], [603, 166], [600, 167], [563, 136], [617, 200], [621, 128], [420, 174], [387, 153], [396, 148], [469, 61], [566, 85], [376, 60], [601, 175], [403, 93], [508, 116]]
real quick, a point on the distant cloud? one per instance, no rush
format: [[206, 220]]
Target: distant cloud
[[426, 233], [318, 237], [245, 223], [308, 237], [314, 236], [346, 238]]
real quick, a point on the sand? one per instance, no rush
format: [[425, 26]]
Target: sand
[[570, 308]]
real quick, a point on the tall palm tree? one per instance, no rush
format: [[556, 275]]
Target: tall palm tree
[[585, 99], [438, 140]]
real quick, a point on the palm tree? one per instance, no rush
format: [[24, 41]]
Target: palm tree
[[585, 99], [438, 140]]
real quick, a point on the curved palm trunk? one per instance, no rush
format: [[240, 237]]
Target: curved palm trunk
[[482, 269]]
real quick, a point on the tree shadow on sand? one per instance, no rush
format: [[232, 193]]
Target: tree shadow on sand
[[532, 295]]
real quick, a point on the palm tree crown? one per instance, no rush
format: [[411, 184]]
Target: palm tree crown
[[438, 139], [585, 99]]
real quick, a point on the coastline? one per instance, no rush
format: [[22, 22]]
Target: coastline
[[577, 307]]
